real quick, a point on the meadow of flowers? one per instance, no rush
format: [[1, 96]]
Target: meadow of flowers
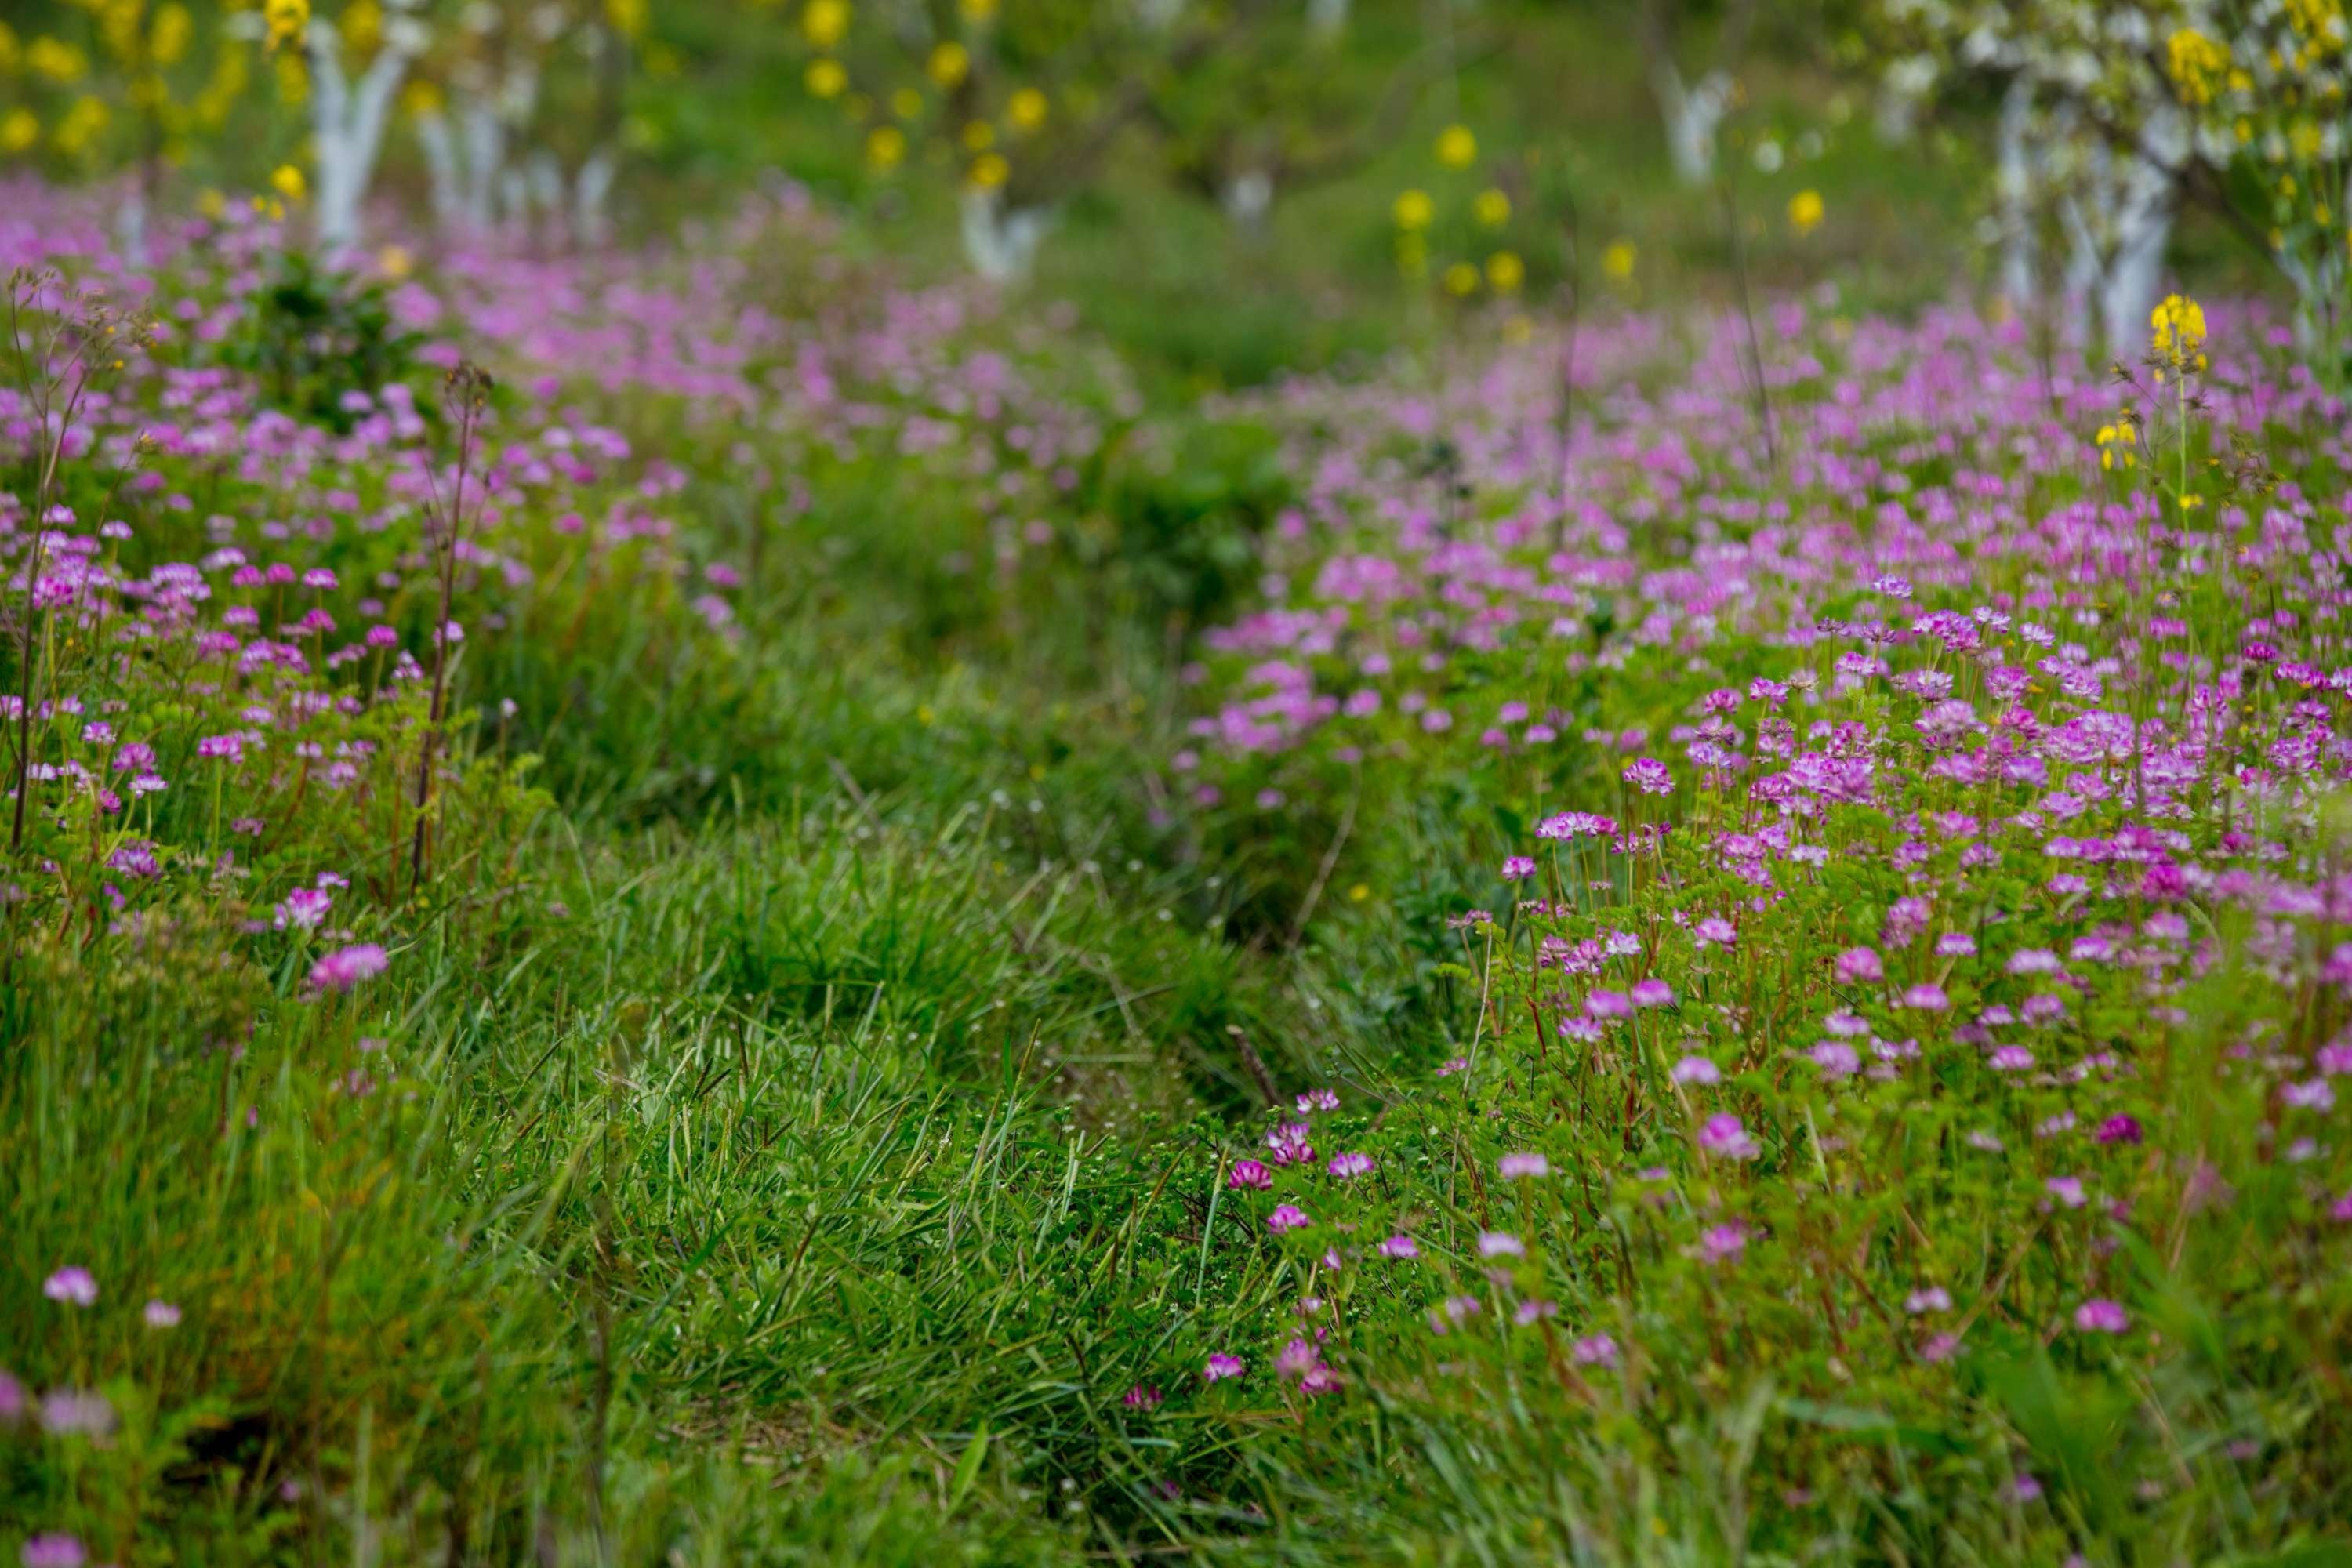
[[707, 905]]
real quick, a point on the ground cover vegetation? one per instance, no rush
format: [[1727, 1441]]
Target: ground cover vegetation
[[710, 865]]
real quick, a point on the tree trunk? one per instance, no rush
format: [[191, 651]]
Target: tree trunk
[[347, 127], [1692, 115], [1002, 241], [2016, 186]]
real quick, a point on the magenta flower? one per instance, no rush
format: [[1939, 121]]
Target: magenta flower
[[1648, 775], [54, 1550], [76, 1412], [2100, 1316], [1295, 1359], [1347, 1165], [303, 909], [1722, 1243], [160, 1314], [1653, 993], [72, 1285], [1836, 1058], [1535, 1310], [1715, 931], [1249, 1174], [1142, 1398], [1696, 1069], [1859, 967], [1500, 1244], [1220, 1367], [1402, 1247], [1518, 868], [1287, 1216], [1926, 998], [1514, 1167], [2011, 1058], [347, 967], [1593, 1349], [1927, 1299], [1725, 1137], [1316, 1100], [2119, 1130]]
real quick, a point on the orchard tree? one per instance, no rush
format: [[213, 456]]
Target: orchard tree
[[1022, 102], [2117, 113]]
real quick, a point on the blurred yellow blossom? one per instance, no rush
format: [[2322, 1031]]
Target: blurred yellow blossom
[[825, 22], [2177, 332], [1026, 109], [288, 182], [395, 262], [1460, 278], [979, 136], [1505, 272], [19, 130], [1617, 261], [825, 78], [1492, 208], [1457, 147], [167, 39], [286, 21], [1413, 209], [2197, 63], [906, 103], [56, 59], [990, 170], [1805, 212], [949, 63], [977, 11], [885, 146]]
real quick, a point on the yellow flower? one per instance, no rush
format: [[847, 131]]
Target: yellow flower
[[1413, 209], [885, 146], [1026, 109], [906, 103], [627, 17], [949, 63], [1457, 147], [55, 58], [825, 78], [979, 136], [395, 262], [212, 204], [19, 130], [1492, 209], [978, 12], [80, 125], [2177, 332], [1617, 261], [287, 20], [167, 40], [824, 22], [1461, 280], [288, 182], [988, 171], [1804, 212], [1505, 272], [421, 98], [2115, 444], [2197, 63], [1360, 892], [9, 51]]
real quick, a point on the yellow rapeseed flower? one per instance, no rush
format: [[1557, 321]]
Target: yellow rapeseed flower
[[56, 59], [949, 63], [1617, 261], [1412, 210], [990, 171], [1805, 212], [1461, 280], [1457, 147], [288, 182], [885, 146], [977, 11], [287, 21], [395, 262], [1492, 209], [1505, 272], [907, 103], [979, 136], [825, 78], [19, 130], [167, 39], [825, 22], [2197, 64], [2177, 332], [1026, 109]]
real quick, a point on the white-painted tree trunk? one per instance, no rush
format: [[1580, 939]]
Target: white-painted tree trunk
[[1001, 241], [2015, 182], [2118, 223], [1691, 114], [1248, 199], [346, 124]]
